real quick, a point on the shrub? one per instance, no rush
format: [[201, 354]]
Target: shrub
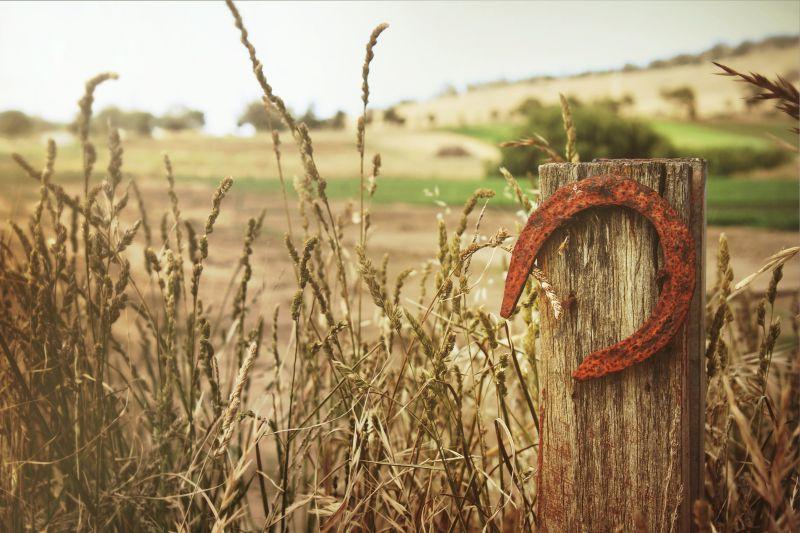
[[725, 161], [616, 104], [391, 116], [15, 124], [261, 118], [267, 120], [139, 122], [683, 97], [601, 133], [182, 119], [337, 121], [452, 150]]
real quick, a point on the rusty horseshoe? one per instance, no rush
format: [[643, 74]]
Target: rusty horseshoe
[[679, 264]]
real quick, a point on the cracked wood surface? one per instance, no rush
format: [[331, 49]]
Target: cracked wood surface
[[625, 449], [676, 279]]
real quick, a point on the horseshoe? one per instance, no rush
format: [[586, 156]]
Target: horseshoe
[[679, 258]]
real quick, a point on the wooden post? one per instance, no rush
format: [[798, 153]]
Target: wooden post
[[625, 451]]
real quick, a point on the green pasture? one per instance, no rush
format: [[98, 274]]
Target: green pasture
[[773, 203], [721, 134]]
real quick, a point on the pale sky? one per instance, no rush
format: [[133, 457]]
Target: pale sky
[[189, 52]]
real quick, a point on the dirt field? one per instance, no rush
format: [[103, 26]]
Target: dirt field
[[408, 235]]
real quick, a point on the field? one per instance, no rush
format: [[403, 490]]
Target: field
[[414, 174], [415, 185], [414, 188], [762, 199], [409, 154], [191, 342]]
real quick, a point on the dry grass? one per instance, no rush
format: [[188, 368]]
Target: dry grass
[[786, 95], [128, 401], [752, 415]]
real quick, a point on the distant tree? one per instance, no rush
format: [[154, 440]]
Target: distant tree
[[264, 120], [182, 118], [528, 106], [684, 59], [393, 117], [431, 120], [16, 124], [310, 118], [743, 48], [337, 121], [717, 51], [627, 100], [260, 118], [751, 102], [616, 104], [139, 122], [684, 97], [108, 115]]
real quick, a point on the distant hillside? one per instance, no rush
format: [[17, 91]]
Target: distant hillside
[[715, 95]]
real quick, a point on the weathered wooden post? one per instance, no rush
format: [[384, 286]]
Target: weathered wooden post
[[624, 451]]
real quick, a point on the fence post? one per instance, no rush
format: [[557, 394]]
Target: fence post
[[624, 452]]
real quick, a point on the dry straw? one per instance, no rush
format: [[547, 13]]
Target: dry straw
[[235, 400], [782, 90], [569, 127], [538, 142]]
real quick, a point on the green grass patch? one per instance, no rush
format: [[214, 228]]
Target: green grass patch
[[491, 133], [761, 203], [693, 135], [393, 190], [722, 134], [771, 203], [779, 127]]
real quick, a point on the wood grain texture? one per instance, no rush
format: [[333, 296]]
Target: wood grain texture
[[625, 449]]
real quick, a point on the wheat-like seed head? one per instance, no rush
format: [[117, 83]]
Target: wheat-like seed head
[[86, 101], [569, 127], [235, 400]]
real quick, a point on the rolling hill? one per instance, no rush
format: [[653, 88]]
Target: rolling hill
[[715, 95]]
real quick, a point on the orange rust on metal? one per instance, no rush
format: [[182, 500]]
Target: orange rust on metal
[[679, 264]]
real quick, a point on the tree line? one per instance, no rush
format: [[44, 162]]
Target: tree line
[[15, 123]]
